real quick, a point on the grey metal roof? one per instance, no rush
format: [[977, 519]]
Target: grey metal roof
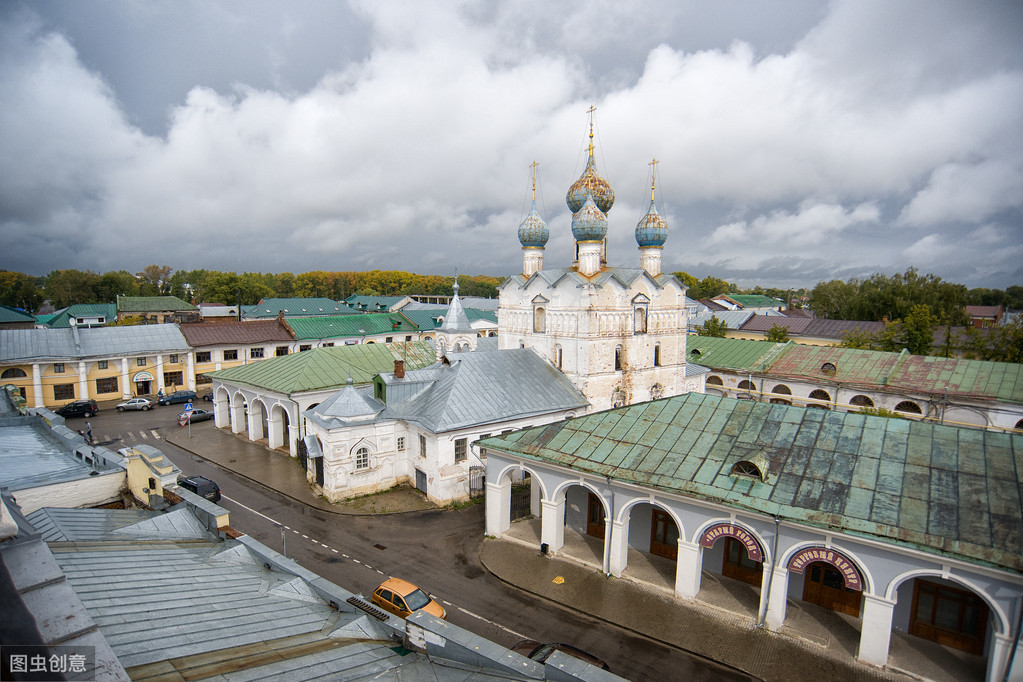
[[20, 345], [733, 319], [57, 524], [29, 459], [625, 277], [455, 319], [348, 403], [944, 490], [483, 388]]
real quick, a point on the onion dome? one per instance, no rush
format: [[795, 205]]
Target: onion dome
[[652, 229], [589, 224], [590, 184], [533, 231]]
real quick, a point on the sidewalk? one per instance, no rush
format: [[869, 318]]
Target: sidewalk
[[711, 628]]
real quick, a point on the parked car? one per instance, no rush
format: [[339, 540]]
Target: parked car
[[202, 486], [207, 397], [79, 408], [196, 416], [177, 397], [540, 652], [402, 598], [135, 404]]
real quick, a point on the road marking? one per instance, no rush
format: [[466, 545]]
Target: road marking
[[332, 550], [155, 434], [142, 434], [490, 622], [276, 523]]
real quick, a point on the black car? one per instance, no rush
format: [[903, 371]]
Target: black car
[[200, 485], [79, 408], [177, 397]]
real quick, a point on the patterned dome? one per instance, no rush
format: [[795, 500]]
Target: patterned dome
[[533, 230], [652, 229], [589, 224], [590, 184]]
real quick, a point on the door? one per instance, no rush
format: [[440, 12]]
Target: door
[[663, 535], [319, 470], [595, 521], [141, 388], [949, 616], [421, 481], [824, 585], [738, 565]]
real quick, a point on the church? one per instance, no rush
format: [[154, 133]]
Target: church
[[617, 333]]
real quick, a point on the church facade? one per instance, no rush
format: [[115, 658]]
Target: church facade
[[617, 333]]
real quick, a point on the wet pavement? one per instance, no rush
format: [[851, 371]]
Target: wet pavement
[[720, 625]]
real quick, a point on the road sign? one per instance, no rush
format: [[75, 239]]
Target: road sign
[[188, 407]]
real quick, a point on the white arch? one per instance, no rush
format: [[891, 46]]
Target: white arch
[[627, 509], [868, 578], [507, 471], [560, 490], [1000, 616], [765, 547]]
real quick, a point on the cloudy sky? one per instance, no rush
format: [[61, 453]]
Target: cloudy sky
[[797, 141]]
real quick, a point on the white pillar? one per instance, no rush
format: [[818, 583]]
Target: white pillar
[[275, 438], [498, 507], [83, 382], [125, 380], [552, 523], [619, 557], [535, 507], [1001, 648], [875, 629], [779, 595], [37, 385], [687, 569], [254, 425], [238, 418], [293, 439], [190, 370], [159, 373]]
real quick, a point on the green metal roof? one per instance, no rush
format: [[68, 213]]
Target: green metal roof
[[62, 319], [974, 378], [10, 315], [300, 307], [755, 300], [151, 304], [372, 303], [426, 320], [349, 325], [937, 488], [327, 367], [719, 353]]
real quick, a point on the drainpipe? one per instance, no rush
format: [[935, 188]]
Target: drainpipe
[[762, 616], [610, 531]]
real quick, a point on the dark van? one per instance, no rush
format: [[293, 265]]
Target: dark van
[[202, 486], [79, 408]]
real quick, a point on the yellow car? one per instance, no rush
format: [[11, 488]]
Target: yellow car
[[402, 598]]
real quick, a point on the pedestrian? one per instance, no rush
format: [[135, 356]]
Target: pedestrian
[[88, 432]]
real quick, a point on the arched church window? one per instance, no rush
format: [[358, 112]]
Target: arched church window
[[640, 320], [539, 320], [818, 394], [861, 401], [715, 381], [362, 458]]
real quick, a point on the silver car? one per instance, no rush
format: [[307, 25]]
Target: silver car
[[135, 404]]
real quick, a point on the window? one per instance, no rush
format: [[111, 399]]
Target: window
[[539, 320], [828, 369], [140, 362], [281, 350], [861, 401], [618, 357], [559, 354], [202, 379], [362, 458], [388, 339], [408, 338], [173, 359], [108, 385], [715, 381], [173, 378], [305, 347], [102, 364], [231, 354], [657, 355], [203, 356], [401, 443], [422, 445], [13, 373], [58, 368], [640, 320], [329, 344], [909, 407], [63, 391], [255, 353], [460, 446], [818, 394]]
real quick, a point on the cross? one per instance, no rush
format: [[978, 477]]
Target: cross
[[653, 169]]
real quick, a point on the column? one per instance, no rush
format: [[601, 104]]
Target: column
[[37, 385], [1001, 649], [534, 498], [238, 418], [159, 374], [552, 523], [875, 629], [779, 593], [83, 381], [275, 438], [125, 380], [687, 569], [498, 507], [190, 370], [619, 557]]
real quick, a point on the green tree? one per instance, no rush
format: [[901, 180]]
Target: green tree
[[284, 285], [777, 333], [224, 287], [833, 300], [154, 280], [68, 287], [917, 330], [115, 283], [713, 327], [19, 290]]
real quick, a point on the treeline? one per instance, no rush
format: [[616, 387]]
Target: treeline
[[68, 287]]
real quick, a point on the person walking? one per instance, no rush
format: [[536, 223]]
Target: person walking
[[88, 432]]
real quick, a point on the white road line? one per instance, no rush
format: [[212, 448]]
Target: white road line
[[143, 435], [356, 561], [381, 572], [332, 550], [276, 523], [155, 434], [487, 620], [324, 546]]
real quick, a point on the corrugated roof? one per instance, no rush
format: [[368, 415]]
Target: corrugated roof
[[108, 311], [426, 319], [296, 307], [624, 277], [199, 334], [341, 326], [733, 319], [973, 378], [483, 388], [328, 367], [9, 315], [756, 301], [20, 345], [764, 323], [29, 459], [373, 303], [151, 304], [719, 353], [944, 490]]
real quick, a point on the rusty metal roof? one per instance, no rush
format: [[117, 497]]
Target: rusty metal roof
[[941, 489], [199, 334]]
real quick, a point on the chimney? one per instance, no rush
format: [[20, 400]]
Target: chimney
[[399, 369]]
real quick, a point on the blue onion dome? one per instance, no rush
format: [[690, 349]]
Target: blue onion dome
[[589, 224], [533, 230], [652, 229], [590, 184]]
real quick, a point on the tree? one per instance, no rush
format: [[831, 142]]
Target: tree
[[713, 327], [778, 334], [18, 290], [68, 287], [917, 330], [224, 287], [115, 283], [155, 280], [833, 300]]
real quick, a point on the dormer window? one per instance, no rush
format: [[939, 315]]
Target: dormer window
[[828, 369], [756, 467]]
